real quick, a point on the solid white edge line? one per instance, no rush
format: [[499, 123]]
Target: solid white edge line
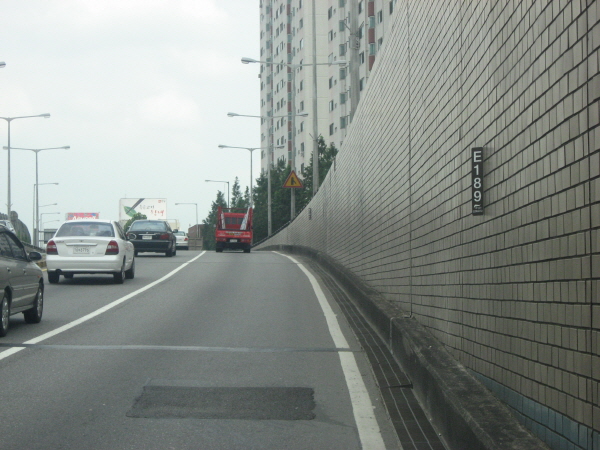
[[366, 423], [43, 337]]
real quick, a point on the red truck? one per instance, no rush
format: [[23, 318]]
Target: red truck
[[234, 229]]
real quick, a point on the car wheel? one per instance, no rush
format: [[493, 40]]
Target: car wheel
[[169, 253], [219, 250], [135, 253], [4, 314], [120, 276], [129, 274], [247, 250], [34, 315], [68, 275], [174, 251], [53, 277]]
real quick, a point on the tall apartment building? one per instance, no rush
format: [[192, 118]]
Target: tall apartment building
[[342, 30]]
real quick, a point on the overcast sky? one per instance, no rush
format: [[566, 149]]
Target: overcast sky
[[140, 90]]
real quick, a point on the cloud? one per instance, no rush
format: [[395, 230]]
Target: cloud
[[95, 12], [170, 108]]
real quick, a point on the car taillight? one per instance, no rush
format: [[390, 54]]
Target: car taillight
[[164, 236], [186, 238], [112, 248], [51, 248]]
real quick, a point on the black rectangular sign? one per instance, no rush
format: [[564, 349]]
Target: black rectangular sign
[[477, 180]]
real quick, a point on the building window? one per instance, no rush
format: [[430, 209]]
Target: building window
[[362, 83], [343, 122], [330, 35], [300, 23], [360, 7], [302, 149], [331, 105], [372, 49], [301, 106], [343, 73], [391, 6], [342, 3], [343, 98], [330, 82], [371, 21], [361, 57], [380, 16], [379, 43], [342, 49], [330, 12], [360, 32], [331, 129], [301, 44]]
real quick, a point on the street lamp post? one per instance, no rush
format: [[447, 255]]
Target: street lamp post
[[288, 116], [8, 121], [295, 67], [36, 151], [250, 149], [217, 181]]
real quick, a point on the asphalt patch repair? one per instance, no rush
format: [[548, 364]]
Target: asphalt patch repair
[[245, 403]]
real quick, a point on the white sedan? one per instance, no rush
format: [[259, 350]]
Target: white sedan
[[182, 239], [91, 246]]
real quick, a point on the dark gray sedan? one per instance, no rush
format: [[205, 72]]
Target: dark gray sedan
[[152, 236], [21, 281]]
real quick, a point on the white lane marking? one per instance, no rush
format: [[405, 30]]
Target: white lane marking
[[43, 337], [368, 428]]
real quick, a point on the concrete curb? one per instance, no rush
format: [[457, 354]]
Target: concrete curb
[[466, 414]]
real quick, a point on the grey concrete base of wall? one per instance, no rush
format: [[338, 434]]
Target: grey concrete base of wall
[[463, 410]]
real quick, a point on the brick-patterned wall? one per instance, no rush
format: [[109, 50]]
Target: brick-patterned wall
[[513, 294]]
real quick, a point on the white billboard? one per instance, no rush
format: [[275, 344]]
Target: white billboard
[[152, 208]]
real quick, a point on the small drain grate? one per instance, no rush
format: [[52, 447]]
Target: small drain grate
[[249, 403]]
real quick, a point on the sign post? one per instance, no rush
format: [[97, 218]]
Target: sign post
[[477, 180], [293, 181]]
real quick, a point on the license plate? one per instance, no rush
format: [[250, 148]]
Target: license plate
[[81, 250], [233, 240], [147, 236]]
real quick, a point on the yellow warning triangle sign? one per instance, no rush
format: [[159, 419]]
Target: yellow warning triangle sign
[[293, 181]]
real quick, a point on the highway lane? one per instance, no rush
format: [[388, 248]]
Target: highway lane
[[198, 351]]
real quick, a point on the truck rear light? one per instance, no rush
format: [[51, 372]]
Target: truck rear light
[[112, 248], [51, 248]]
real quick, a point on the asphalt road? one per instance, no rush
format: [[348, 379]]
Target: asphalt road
[[198, 351]]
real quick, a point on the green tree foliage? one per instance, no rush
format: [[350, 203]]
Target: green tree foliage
[[237, 199], [210, 223], [326, 158], [280, 200], [136, 216], [280, 196]]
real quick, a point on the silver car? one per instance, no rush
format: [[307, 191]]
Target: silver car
[[182, 239], [21, 281], [90, 247]]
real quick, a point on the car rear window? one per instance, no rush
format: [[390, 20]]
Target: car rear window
[[148, 226], [85, 229]]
